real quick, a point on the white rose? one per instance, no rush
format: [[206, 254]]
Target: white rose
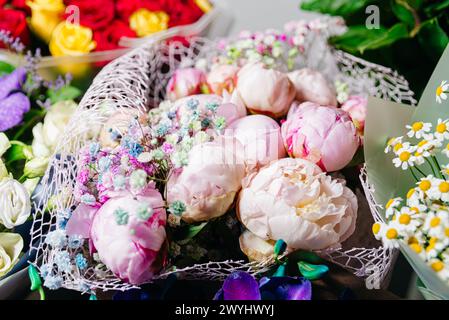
[[35, 167], [4, 143], [47, 134], [11, 244], [15, 204]]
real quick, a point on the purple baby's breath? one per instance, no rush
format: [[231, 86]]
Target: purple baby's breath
[[12, 43]]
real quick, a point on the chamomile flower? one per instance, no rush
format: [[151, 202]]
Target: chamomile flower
[[442, 130], [394, 144], [416, 243], [425, 184], [434, 248], [391, 206], [418, 129], [405, 158], [378, 230], [445, 151], [445, 169], [436, 223], [408, 220], [441, 268], [390, 235], [439, 190], [440, 92], [414, 198]]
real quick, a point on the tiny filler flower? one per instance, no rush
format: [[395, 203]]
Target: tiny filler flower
[[441, 91]]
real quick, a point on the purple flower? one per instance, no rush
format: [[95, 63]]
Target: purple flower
[[12, 110], [12, 82], [241, 285]]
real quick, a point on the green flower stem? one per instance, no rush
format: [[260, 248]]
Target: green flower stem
[[438, 167], [431, 166], [41, 293], [420, 171], [413, 173]]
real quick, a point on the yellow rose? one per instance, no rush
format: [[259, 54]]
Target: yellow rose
[[145, 22], [72, 40], [45, 16]]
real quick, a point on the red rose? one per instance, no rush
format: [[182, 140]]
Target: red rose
[[21, 5], [125, 8], [109, 37], [95, 14], [14, 21], [182, 12], [3, 2]]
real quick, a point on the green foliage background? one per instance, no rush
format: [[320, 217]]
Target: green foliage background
[[412, 35]]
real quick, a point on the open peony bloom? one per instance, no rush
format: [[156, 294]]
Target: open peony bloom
[[208, 184], [222, 77], [311, 86], [265, 91], [356, 106], [261, 138], [293, 200], [128, 233], [185, 82], [228, 107], [323, 135]]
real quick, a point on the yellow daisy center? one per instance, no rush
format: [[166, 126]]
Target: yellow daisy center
[[392, 234], [389, 203], [446, 232], [447, 147], [410, 193], [432, 243], [417, 154], [439, 90], [444, 187], [425, 185], [376, 228], [435, 222], [415, 209], [404, 218], [422, 143], [417, 126], [397, 147], [412, 240], [437, 266], [416, 247], [404, 156], [441, 128]]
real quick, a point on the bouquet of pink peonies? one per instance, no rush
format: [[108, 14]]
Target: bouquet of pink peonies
[[204, 159]]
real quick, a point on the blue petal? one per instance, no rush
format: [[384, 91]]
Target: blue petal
[[241, 286], [285, 288]]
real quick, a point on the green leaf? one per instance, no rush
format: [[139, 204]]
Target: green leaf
[[404, 12], [35, 279], [358, 39], [433, 39], [18, 151], [280, 271], [63, 94], [312, 271], [436, 7], [190, 231], [5, 68], [279, 247], [335, 7]]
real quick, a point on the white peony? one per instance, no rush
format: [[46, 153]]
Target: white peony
[[11, 244], [15, 204], [47, 133]]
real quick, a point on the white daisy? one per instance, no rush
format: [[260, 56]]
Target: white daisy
[[415, 197], [409, 220], [445, 151], [439, 190], [442, 130], [434, 248], [425, 184], [445, 169], [390, 235], [391, 206], [394, 143], [419, 129], [405, 158], [441, 268], [416, 243], [440, 92], [436, 223]]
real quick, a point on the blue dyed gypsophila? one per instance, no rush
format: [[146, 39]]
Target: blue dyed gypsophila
[[80, 261], [88, 199], [119, 182], [75, 241], [162, 129], [121, 216], [104, 164], [135, 150], [177, 208], [62, 261], [193, 104], [56, 239], [53, 282], [212, 106], [46, 269], [94, 148]]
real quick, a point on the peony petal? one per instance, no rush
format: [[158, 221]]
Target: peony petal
[[241, 286], [81, 221], [285, 288]]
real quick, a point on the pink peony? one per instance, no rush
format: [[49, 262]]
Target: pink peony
[[128, 233], [210, 181], [356, 106], [265, 91], [323, 135], [222, 77], [185, 82], [261, 138], [293, 200], [311, 86]]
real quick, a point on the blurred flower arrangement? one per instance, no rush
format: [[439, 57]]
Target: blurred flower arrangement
[[33, 114], [197, 179], [76, 27], [421, 220]]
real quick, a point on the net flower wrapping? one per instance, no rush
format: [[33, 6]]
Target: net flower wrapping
[[140, 81]]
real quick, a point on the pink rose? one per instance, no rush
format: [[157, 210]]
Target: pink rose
[[293, 200], [311, 86], [265, 91], [128, 233], [185, 82], [222, 77], [210, 181], [356, 106], [323, 135], [261, 139]]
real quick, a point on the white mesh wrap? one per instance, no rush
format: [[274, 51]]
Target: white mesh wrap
[[138, 80]]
